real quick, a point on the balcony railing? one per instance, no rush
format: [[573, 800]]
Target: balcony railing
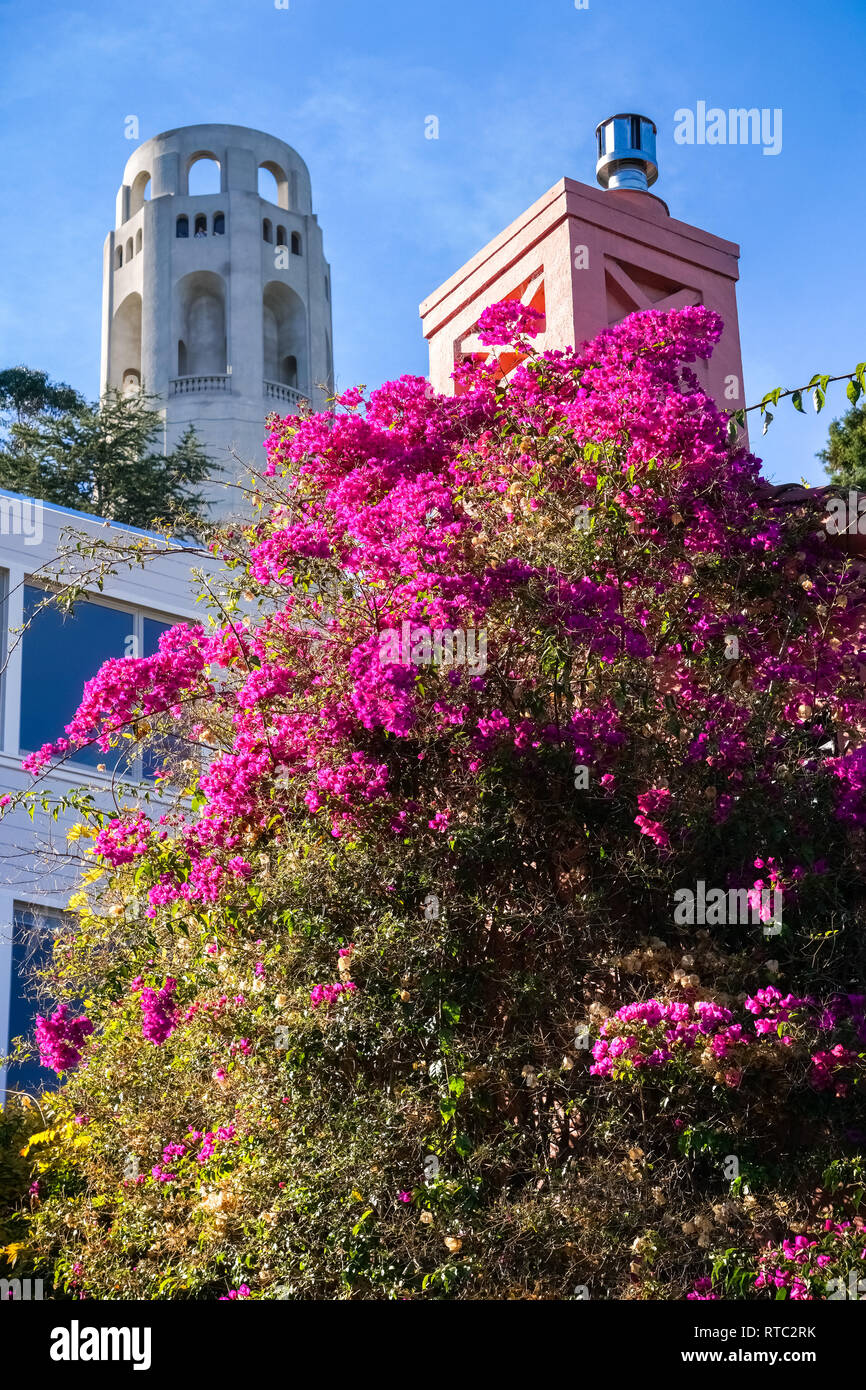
[[276, 391], [185, 385]]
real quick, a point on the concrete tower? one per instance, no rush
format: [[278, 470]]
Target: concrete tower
[[219, 303], [587, 258]]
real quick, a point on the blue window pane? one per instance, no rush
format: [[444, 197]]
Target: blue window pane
[[59, 654], [153, 630], [32, 937], [157, 751]]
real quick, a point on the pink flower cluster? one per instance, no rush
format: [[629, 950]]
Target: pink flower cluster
[[655, 802], [652, 1033], [509, 319], [702, 1291], [123, 839], [329, 994], [160, 1012], [210, 1139], [60, 1039], [802, 1267], [664, 1026], [827, 1065]]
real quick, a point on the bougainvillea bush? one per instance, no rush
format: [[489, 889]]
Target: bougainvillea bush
[[499, 932]]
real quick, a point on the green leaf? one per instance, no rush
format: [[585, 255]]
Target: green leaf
[[768, 416], [797, 402], [367, 1213], [852, 391], [818, 399]]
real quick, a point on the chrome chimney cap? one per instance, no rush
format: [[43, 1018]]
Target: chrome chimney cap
[[626, 152]]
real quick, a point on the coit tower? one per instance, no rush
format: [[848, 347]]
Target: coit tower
[[217, 302]]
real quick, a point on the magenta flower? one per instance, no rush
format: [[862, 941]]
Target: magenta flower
[[502, 323], [160, 1012], [60, 1039]]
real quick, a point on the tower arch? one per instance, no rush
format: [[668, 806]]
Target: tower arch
[[203, 174], [139, 192], [227, 326], [274, 189], [284, 331], [126, 341], [200, 315]]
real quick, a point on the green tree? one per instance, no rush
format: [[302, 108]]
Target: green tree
[[105, 459], [26, 392], [844, 457]]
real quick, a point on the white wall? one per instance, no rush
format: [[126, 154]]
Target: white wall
[[31, 535]]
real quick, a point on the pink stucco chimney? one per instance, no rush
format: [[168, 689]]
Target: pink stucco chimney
[[588, 257]]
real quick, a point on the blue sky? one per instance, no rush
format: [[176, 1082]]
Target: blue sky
[[518, 87]]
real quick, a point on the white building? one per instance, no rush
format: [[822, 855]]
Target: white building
[[220, 302], [45, 668]]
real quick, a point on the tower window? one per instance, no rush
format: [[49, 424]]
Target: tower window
[[267, 230], [181, 358], [201, 224], [290, 371], [273, 185], [118, 258], [181, 227], [296, 243], [139, 193], [203, 174], [138, 240], [327, 288], [129, 249], [219, 224], [281, 236]]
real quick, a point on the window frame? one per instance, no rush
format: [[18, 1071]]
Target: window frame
[[137, 612], [10, 903], [35, 894], [10, 906]]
